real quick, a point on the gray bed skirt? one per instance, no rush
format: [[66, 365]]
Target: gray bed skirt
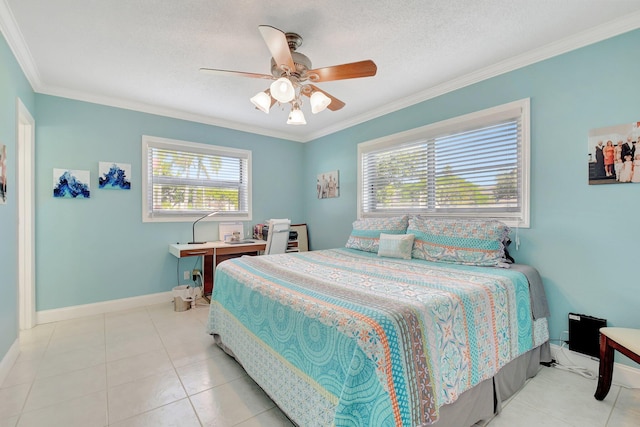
[[483, 401]]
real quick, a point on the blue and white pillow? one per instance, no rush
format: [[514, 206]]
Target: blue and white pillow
[[365, 235], [459, 241], [395, 245]]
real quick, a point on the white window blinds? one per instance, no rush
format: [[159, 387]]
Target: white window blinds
[[472, 166], [188, 179]]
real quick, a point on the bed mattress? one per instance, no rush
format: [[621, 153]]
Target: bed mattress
[[344, 337]]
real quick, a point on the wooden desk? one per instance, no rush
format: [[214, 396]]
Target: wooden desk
[[214, 253]]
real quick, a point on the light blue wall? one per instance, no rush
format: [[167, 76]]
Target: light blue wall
[[583, 239], [99, 249], [13, 85]]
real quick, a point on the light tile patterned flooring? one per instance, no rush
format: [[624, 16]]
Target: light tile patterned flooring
[[155, 367]]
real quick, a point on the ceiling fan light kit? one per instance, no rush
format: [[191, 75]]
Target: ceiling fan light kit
[[319, 101], [282, 90], [296, 117], [292, 75], [262, 101]]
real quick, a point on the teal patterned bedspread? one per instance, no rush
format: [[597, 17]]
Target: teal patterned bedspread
[[346, 338]]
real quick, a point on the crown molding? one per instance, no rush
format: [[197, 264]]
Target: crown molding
[[15, 40], [593, 35], [142, 107], [18, 46]]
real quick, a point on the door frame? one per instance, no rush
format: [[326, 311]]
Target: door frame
[[25, 136]]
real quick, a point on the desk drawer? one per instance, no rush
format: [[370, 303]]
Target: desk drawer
[[240, 249], [196, 252]]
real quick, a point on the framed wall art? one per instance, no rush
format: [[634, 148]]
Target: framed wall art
[[114, 176], [328, 185], [71, 184], [614, 154]]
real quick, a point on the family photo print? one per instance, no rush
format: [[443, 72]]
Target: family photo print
[[614, 154]]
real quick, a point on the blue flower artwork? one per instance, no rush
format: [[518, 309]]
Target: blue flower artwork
[[114, 176], [71, 184]]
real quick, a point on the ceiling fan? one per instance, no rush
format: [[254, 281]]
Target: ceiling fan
[[293, 76]]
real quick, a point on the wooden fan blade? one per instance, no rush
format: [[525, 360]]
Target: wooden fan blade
[[235, 73], [335, 104], [276, 41], [352, 70]]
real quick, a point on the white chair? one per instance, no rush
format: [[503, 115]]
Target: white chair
[[278, 237], [624, 340]]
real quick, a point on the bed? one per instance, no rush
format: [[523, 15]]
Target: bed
[[347, 337]]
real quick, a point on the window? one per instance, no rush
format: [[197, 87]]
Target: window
[[475, 165], [183, 181]]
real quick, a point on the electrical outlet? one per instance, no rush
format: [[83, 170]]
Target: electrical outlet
[[186, 275]]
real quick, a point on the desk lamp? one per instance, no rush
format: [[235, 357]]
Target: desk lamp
[[193, 228]]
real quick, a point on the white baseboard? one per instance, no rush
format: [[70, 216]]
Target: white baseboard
[[623, 375], [9, 360], [73, 312]]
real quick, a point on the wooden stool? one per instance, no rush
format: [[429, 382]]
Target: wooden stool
[[627, 342]]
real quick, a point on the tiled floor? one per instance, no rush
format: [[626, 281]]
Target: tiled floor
[[155, 367]]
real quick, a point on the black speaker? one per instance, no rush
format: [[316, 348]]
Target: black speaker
[[584, 334]]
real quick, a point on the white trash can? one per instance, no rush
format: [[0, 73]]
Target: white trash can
[[182, 297]]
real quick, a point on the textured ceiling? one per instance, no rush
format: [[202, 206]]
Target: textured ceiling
[[145, 54]]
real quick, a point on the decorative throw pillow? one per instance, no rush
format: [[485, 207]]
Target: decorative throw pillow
[[460, 241], [396, 245], [365, 235]]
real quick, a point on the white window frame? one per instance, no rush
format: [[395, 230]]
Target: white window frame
[[173, 144], [460, 124]]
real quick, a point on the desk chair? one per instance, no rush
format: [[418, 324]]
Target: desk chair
[[627, 342], [278, 237]]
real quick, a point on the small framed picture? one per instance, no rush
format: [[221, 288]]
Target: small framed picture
[[230, 231], [114, 176], [71, 184], [614, 154], [328, 185]]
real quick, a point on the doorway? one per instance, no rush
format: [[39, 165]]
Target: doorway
[[26, 229]]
